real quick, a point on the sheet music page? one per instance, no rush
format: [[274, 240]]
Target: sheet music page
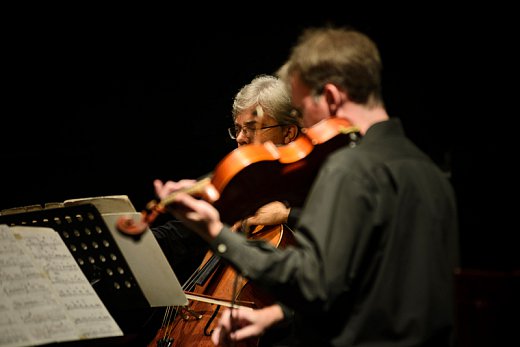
[[44, 295]]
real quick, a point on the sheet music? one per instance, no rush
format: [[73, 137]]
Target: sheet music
[[44, 295]]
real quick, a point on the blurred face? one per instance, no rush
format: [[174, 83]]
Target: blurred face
[[256, 129], [313, 108]]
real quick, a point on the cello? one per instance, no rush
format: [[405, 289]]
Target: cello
[[236, 189], [210, 287]]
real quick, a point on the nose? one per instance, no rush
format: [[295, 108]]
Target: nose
[[242, 139]]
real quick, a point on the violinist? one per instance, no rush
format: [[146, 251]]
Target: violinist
[[376, 242]]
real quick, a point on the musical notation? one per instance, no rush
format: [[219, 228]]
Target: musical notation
[[44, 296]]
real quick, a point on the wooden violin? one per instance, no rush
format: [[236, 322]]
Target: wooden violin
[[252, 175], [237, 188]]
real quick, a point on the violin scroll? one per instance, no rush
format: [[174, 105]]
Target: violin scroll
[[127, 225]]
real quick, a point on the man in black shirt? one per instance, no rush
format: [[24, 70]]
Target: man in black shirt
[[377, 240]]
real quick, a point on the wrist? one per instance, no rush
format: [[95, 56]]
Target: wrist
[[276, 313]]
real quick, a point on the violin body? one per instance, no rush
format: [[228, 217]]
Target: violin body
[[256, 174], [192, 325]]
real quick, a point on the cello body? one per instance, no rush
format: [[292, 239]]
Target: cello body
[[191, 325]]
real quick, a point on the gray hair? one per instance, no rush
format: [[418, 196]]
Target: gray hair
[[271, 94]]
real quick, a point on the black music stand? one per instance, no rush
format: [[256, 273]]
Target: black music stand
[[125, 272]]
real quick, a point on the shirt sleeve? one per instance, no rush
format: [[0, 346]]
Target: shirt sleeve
[[294, 216]]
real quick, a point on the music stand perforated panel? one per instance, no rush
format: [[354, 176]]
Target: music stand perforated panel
[[85, 233]]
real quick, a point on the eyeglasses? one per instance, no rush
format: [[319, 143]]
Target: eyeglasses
[[247, 130]]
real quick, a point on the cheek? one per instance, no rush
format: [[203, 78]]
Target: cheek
[[313, 115], [274, 138]]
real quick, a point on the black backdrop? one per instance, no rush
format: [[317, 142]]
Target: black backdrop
[[98, 107]]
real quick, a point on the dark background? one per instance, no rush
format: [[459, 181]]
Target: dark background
[[103, 104]]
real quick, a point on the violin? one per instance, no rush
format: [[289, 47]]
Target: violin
[[237, 188], [252, 175]]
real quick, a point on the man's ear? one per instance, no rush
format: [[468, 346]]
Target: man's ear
[[333, 97], [290, 133]]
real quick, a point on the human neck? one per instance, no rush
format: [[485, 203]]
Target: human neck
[[361, 116]]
